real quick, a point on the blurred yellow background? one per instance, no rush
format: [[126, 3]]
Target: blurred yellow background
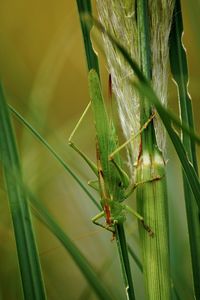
[[43, 68]]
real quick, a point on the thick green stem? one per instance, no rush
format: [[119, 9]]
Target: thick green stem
[[152, 196], [152, 205]]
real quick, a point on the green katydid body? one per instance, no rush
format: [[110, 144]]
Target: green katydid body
[[113, 182]]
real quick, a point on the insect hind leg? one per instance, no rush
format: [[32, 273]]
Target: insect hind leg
[[141, 219]]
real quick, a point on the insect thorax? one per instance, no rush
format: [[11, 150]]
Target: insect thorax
[[118, 212]]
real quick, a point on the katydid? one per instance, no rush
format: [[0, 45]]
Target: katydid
[[113, 183]]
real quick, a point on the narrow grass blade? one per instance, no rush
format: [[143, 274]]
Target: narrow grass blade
[[178, 62], [29, 264], [124, 261], [53, 152], [145, 90], [92, 60], [77, 256], [179, 68]]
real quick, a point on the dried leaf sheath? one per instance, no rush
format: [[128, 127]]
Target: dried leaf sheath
[[120, 19]]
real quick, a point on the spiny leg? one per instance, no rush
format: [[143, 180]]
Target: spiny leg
[[71, 144], [132, 137], [140, 218]]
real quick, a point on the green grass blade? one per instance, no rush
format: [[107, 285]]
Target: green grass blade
[[29, 264], [167, 117], [179, 68], [178, 61], [53, 152], [124, 261], [92, 60], [72, 249]]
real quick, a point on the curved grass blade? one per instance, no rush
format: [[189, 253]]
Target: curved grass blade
[[145, 90], [53, 152], [178, 62], [179, 68], [80, 260], [32, 282]]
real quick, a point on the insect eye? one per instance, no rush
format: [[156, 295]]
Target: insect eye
[[120, 184]]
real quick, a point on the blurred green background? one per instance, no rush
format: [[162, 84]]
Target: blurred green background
[[42, 66]]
